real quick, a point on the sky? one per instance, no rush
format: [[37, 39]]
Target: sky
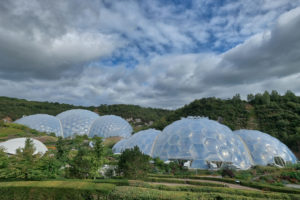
[[151, 53]]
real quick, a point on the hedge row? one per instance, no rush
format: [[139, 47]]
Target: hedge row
[[168, 180], [118, 182], [247, 193], [256, 185], [60, 190], [136, 193]]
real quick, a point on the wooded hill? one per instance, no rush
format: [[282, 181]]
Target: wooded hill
[[16, 108], [278, 115]]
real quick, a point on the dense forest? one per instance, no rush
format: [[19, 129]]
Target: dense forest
[[278, 115], [16, 108]]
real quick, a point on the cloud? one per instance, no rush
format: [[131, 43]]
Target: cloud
[[44, 44], [152, 54]]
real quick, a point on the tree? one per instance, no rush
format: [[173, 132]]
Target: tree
[[133, 163], [250, 97], [49, 165], [81, 164], [26, 162], [98, 156], [266, 98], [4, 163], [236, 98], [62, 150]]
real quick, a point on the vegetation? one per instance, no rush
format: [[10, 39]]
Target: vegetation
[[63, 190], [10, 130], [133, 163]]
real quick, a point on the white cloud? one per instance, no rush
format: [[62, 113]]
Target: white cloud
[[67, 43]]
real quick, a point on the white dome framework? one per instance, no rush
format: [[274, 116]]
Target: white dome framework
[[266, 149], [143, 139], [206, 143], [43, 123], [76, 122], [110, 126], [11, 146]]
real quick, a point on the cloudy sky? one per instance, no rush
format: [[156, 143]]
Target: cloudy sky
[[152, 53]]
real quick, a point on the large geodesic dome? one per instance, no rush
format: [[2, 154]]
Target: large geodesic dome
[[266, 149], [109, 126], [119, 146], [76, 122], [11, 146], [42, 122], [143, 139], [203, 142]]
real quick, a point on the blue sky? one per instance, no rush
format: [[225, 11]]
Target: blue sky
[[150, 53]]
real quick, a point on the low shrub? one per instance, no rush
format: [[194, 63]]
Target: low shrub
[[253, 194], [180, 181], [134, 193]]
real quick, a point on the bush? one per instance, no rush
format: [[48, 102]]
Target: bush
[[226, 172], [133, 163], [247, 193], [63, 190]]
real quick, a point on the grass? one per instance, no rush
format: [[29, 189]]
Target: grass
[[204, 189], [70, 184], [110, 142], [138, 193], [8, 131], [124, 189], [180, 181], [261, 186]]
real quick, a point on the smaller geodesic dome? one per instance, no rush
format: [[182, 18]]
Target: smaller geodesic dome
[[265, 149], [143, 139], [109, 126], [43, 123], [202, 141], [119, 146], [76, 122], [10, 146]]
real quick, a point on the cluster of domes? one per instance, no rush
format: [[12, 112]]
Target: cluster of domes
[[78, 122], [209, 144]]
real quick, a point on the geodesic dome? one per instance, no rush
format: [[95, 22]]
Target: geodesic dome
[[143, 139], [201, 141], [109, 126], [43, 123], [10, 146], [76, 121], [119, 146], [264, 148]]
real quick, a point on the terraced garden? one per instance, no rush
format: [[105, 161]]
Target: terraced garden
[[195, 187]]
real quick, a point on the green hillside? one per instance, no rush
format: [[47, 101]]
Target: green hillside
[[16, 108]]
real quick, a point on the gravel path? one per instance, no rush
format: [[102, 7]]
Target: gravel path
[[293, 186]]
